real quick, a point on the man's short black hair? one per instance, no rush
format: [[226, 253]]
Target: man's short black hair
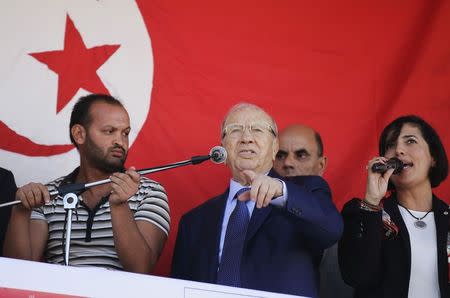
[[390, 134], [80, 113]]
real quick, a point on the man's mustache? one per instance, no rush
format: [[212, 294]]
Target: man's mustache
[[117, 146]]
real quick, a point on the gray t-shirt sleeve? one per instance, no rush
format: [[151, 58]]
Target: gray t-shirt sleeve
[[153, 205]]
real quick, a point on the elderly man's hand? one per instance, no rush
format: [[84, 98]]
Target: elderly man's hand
[[263, 188]]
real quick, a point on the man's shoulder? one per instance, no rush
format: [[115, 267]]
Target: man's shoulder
[[69, 178], [440, 201], [55, 183], [4, 172], [149, 188], [309, 182], [7, 178], [149, 184]]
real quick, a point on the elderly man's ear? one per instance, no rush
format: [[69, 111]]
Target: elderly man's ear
[[275, 148]]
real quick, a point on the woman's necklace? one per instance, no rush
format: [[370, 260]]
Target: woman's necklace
[[419, 223]]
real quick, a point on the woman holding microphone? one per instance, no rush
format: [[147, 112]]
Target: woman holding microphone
[[399, 246]]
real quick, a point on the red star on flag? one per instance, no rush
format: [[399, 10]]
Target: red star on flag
[[76, 65]]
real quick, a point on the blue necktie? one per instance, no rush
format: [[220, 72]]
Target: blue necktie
[[229, 268]]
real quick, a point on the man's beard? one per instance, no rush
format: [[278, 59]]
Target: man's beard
[[99, 160]]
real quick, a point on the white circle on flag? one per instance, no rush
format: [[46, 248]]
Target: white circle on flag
[[29, 88]]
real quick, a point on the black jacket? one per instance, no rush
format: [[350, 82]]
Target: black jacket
[[378, 267], [7, 193]]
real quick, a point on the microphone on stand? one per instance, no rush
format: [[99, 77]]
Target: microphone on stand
[[392, 163], [217, 155]]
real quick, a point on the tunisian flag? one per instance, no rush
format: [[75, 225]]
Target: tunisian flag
[[346, 68]]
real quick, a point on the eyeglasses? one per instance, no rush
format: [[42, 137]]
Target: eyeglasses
[[236, 130]]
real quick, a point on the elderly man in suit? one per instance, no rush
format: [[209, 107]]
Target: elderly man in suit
[[263, 232]]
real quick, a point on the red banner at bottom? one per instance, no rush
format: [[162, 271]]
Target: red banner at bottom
[[17, 293]]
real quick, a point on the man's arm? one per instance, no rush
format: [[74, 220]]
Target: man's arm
[[309, 199], [25, 238], [138, 242], [360, 248]]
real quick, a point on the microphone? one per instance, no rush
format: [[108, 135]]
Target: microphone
[[392, 163], [218, 154]]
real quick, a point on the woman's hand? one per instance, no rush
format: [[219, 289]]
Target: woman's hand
[[377, 183]]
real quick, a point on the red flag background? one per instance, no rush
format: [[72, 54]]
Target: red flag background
[[346, 68]]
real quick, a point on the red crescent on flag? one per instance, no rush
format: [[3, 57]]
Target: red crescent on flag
[[13, 142]]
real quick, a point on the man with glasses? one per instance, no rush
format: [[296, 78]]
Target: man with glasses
[[262, 233]]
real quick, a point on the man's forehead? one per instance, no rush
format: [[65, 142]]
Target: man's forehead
[[105, 113], [246, 115], [297, 140]]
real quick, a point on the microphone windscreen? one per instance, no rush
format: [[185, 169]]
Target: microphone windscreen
[[218, 154], [395, 163], [392, 163]]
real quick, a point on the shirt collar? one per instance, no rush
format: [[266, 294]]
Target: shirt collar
[[235, 187], [70, 178]]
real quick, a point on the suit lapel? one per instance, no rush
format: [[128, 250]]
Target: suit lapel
[[213, 230], [259, 215], [441, 219]]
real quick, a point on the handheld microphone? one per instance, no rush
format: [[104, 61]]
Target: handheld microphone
[[392, 163]]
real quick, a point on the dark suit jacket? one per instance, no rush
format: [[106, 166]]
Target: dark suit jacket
[[380, 268], [283, 246], [7, 193]]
